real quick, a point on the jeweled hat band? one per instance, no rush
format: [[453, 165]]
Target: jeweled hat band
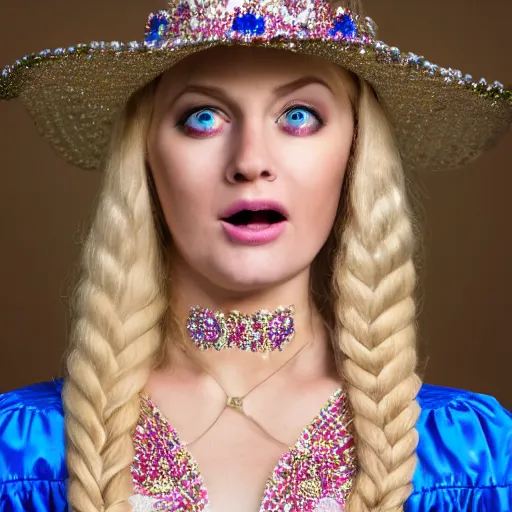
[[188, 21], [263, 331]]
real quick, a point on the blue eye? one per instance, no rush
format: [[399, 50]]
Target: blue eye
[[204, 121], [297, 117], [300, 120]]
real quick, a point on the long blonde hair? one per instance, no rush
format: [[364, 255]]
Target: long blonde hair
[[120, 308]]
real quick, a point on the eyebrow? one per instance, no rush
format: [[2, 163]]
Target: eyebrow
[[279, 92]]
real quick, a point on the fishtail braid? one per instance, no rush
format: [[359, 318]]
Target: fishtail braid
[[374, 280], [118, 306]]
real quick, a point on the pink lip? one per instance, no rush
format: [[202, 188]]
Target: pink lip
[[254, 205], [254, 234]]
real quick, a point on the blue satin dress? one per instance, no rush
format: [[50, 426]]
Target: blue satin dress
[[465, 452]]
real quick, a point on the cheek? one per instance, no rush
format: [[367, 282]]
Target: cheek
[[321, 180], [185, 180], [322, 199]]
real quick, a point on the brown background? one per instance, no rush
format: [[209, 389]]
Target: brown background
[[467, 310]]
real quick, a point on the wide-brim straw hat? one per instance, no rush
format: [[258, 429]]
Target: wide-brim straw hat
[[441, 117]]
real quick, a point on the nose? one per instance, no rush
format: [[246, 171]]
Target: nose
[[251, 156]]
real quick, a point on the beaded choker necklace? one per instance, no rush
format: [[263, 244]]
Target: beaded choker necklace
[[263, 331]]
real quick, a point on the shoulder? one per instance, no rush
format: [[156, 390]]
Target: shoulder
[[464, 453], [32, 454]]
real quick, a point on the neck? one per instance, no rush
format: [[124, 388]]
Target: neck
[[238, 370]]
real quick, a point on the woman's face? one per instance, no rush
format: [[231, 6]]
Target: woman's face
[[248, 148]]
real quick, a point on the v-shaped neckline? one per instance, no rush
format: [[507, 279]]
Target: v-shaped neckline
[[296, 452]]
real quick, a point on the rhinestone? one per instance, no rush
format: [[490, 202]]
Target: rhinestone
[[395, 53], [303, 16], [370, 26], [413, 58]]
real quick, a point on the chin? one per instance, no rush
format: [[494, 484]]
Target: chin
[[245, 270], [253, 277]]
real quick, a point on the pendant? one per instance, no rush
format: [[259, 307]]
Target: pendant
[[236, 403]]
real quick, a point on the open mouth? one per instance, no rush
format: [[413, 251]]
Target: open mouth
[[258, 217]]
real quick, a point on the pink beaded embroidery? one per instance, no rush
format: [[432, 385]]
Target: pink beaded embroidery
[[317, 471]]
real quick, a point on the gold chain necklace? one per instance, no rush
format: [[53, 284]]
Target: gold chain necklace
[[236, 403]]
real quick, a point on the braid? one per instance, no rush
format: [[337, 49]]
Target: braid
[[118, 305], [374, 280]]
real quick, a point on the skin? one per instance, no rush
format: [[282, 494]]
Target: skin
[[255, 147]]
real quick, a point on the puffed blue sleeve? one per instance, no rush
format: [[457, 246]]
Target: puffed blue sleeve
[[33, 471], [464, 452]]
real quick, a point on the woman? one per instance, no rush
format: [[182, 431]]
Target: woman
[[251, 258]]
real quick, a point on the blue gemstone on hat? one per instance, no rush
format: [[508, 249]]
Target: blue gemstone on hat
[[249, 24], [344, 25], [157, 27]]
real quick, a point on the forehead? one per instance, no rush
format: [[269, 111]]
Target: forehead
[[228, 65]]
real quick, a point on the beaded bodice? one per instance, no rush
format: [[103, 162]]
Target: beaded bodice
[[314, 475]]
